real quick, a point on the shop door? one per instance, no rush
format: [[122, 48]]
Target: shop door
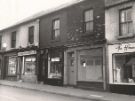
[[71, 68]]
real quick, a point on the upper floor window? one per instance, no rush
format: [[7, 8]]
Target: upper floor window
[[13, 39], [31, 35], [0, 42], [56, 29], [88, 20], [126, 24]]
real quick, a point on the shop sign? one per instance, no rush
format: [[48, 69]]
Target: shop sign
[[57, 59], [127, 47], [27, 53]]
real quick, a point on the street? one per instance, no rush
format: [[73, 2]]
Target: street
[[18, 94]]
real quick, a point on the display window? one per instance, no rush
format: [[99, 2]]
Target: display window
[[123, 68], [90, 66], [55, 65], [30, 65], [12, 65]]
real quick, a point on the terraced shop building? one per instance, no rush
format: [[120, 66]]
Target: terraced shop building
[[120, 32], [18, 54], [72, 45]]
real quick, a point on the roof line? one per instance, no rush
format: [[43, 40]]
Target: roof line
[[42, 13]]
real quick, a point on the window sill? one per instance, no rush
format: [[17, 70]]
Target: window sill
[[57, 40], [87, 34], [126, 36], [11, 75], [13, 48], [122, 83], [31, 45]]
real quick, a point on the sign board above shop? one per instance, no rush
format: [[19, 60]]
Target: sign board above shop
[[27, 53], [122, 48]]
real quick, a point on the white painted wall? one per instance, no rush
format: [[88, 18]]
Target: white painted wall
[[22, 35], [112, 21]]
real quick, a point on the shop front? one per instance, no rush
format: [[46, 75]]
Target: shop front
[[10, 67], [28, 66], [122, 68], [85, 68], [55, 67], [90, 68]]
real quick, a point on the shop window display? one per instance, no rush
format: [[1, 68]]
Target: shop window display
[[30, 65], [12, 64], [124, 69], [55, 65], [54, 70]]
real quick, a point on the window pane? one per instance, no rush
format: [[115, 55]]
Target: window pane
[[31, 34], [123, 29], [126, 24], [89, 26], [122, 16], [88, 15], [56, 29], [130, 27], [13, 40], [128, 15], [56, 24], [57, 34]]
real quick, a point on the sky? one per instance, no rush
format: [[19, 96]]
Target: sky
[[12, 11]]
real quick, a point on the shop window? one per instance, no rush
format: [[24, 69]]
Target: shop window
[[56, 29], [126, 23], [88, 20], [55, 64], [31, 35], [90, 68], [30, 65], [55, 68], [12, 65], [124, 69]]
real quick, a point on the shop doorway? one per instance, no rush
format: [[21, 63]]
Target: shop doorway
[[71, 68], [90, 69]]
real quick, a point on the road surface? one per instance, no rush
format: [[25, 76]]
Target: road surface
[[19, 94]]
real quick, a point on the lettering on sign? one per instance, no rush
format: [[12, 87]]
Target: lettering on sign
[[26, 53], [125, 47]]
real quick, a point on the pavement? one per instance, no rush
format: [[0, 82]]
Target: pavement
[[70, 91]]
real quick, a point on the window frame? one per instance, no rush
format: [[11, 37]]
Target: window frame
[[24, 72], [31, 34], [126, 22], [13, 39], [55, 29], [8, 73], [90, 21]]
